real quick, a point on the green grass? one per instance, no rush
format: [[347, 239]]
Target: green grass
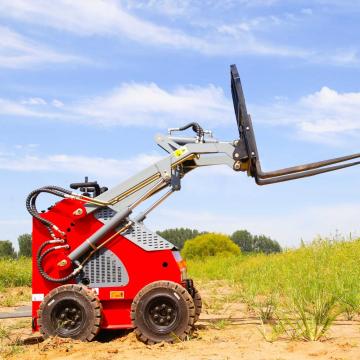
[[299, 292], [15, 272], [304, 289]]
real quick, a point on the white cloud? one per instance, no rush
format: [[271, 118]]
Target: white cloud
[[167, 7], [34, 101], [96, 166], [109, 18], [324, 115], [13, 108], [148, 104], [17, 51], [136, 104], [57, 103], [96, 18]]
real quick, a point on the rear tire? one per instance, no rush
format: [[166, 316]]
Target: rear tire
[[163, 311], [198, 304], [70, 311]]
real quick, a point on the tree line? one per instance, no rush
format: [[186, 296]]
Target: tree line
[[247, 242], [7, 249]]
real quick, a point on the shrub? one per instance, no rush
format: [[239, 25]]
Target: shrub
[[210, 244]]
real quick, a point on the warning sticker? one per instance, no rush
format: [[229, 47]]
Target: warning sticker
[[181, 151], [37, 297], [117, 294]]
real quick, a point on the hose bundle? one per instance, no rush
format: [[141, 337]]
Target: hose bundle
[[58, 242]]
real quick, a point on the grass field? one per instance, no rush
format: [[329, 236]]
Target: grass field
[[303, 290], [298, 292], [15, 272]]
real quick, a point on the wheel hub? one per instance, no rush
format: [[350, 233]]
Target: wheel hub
[[67, 317], [161, 314]]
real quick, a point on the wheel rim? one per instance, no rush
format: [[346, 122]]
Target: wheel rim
[[67, 317], [162, 314]]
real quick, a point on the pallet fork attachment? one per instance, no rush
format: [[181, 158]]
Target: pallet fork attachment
[[247, 156]]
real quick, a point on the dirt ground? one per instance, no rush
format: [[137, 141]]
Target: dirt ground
[[226, 330]]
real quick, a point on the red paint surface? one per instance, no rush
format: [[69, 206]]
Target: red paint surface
[[143, 267]]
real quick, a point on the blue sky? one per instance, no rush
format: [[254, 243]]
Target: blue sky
[[85, 86]]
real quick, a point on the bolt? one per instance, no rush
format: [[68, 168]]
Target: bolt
[[236, 155], [247, 128], [169, 311], [161, 321], [62, 263], [168, 318], [67, 310], [78, 212], [72, 323], [252, 153], [157, 308]]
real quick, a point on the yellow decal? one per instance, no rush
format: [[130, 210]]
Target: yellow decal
[[181, 151], [117, 294]]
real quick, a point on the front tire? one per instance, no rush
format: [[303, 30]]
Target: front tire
[[163, 311], [70, 311]]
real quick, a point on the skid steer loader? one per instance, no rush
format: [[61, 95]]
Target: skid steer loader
[[96, 266]]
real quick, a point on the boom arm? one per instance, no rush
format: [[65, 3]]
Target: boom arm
[[185, 154], [188, 153]]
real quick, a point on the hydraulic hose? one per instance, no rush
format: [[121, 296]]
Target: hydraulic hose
[[40, 257], [31, 204], [195, 127]]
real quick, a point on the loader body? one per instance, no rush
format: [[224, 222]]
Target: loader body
[[116, 275]]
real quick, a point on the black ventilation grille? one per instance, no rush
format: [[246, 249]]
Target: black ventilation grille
[[105, 269]]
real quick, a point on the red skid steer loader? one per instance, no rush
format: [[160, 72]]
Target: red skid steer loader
[[97, 266]]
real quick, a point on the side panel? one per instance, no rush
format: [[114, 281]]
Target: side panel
[[141, 266]]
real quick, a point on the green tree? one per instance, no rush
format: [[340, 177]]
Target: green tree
[[244, 240], [6, 249], [210, 244], [24, 241], [266, 245], [178, 236]]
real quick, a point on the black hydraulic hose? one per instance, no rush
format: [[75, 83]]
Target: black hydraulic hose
[[40, 259], [40, 255], [195, 127], [31, 200]]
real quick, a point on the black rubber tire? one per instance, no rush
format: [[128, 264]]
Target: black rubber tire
[[177, 298], [198, 304], [76, 304]]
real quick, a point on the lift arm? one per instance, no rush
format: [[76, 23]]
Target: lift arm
[[188, 153], [184, 155]]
